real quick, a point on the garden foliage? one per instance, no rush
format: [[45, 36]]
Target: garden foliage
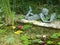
[[21, 6]]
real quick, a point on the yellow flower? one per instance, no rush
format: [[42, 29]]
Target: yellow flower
[[13, 27], [18, 32]]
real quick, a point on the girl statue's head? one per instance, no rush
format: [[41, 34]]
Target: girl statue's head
[[45, 11]]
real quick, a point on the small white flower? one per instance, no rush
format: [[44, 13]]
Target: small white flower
[[44, 36]]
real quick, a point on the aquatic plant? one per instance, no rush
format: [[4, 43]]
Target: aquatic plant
[[25, 40]]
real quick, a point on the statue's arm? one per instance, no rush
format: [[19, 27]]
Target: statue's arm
[[52, 17], [43, 18]]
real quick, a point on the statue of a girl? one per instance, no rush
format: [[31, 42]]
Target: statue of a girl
[[44, 14]]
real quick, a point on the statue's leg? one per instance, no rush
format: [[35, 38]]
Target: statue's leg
[[29, 13]]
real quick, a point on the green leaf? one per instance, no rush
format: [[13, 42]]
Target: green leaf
[[58, 34], [58, 43], [55, 36], [12, 17], [49, 42], [21, 17], [1, 25], [46, 18], [0, 10], [26, 40], [2, 31], [26, 26], [24, 37]]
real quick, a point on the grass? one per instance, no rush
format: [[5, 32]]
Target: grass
[[10, 38]]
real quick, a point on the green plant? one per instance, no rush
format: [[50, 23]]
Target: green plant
[[0, 10], [12, 18], [58, 34], [25, 40], [49, 42], [2, 31], [26, 27], [22, 6], [58, 43], [47, 18], [1, 25], [21, 17], [9, 15], [7, 10], [1, 14], [55, 36], [37, 41]]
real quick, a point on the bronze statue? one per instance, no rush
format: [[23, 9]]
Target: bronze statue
[[31, 16], [42, 15]]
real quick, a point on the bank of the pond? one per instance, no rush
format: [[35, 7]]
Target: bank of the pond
[[9, 36]]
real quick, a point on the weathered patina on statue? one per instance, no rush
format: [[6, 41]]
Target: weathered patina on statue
[[42, 15], [31, 16]]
